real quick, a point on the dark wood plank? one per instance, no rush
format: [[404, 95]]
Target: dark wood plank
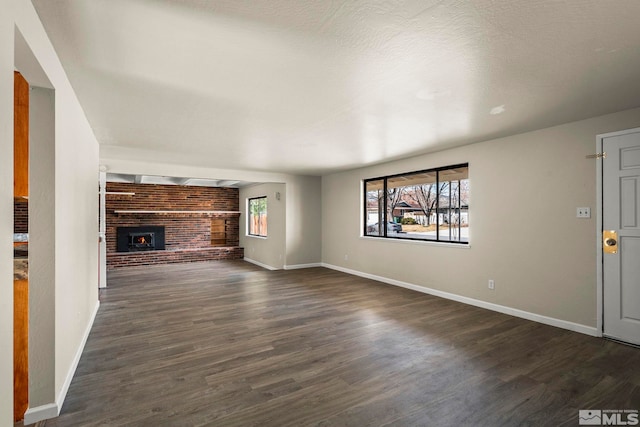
[[226, 343]]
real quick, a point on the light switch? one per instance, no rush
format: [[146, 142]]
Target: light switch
[[583, 212]]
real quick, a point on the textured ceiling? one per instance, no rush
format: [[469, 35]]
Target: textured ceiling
[[314, 86]]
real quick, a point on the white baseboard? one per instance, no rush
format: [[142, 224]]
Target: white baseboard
[[42, 412], [259, 264], [286, 267], [76, 359], [564, 324], [299, 266], [52, 410]]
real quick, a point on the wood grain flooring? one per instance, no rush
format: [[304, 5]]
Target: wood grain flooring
[[226, 343]]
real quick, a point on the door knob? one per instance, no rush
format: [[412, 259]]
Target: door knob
[[610, 241]]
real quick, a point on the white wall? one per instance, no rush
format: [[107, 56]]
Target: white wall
[[74, 175], [524, 231], [295, 224], [42, 256], [76, 220], [304, 221], [6, 212], [268, 251]]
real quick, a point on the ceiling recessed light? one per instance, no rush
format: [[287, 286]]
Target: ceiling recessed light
[[497, 110]]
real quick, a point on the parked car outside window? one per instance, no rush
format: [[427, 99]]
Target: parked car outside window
[[392, 227]]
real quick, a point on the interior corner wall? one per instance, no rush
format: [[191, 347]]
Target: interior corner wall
[[6, 212], [304, 221], [266, 251], [524, 233], [76, 209], [41, 247]]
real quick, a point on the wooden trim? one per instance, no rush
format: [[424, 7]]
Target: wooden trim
[[20, 136], [20, 287], [20, 348]]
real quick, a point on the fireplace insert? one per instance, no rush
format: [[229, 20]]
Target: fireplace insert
[[143, 238], [142, 241]]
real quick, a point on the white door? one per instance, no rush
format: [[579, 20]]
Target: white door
[[621, 215]]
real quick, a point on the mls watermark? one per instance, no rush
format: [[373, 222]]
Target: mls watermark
[[608, 417]]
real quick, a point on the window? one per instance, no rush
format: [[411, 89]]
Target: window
[[426, 205], [258, 216]]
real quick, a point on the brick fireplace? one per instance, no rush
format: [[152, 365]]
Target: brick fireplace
[[197, 224]]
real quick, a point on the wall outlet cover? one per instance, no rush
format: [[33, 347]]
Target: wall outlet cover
[[584, 212]]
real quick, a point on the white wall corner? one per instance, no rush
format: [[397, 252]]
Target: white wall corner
[[564, 324], [74, 365], [259, 264], [52, 410], [42, 412]]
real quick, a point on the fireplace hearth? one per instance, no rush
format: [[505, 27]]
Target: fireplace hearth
[[143, 238]]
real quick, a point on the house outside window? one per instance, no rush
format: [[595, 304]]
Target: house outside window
[[430, 205], [257, 218]]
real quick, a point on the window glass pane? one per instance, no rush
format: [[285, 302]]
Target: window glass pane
[[420, 201], [395, 204], [258, 216], [426, 205], [374, 207], [444, 210], [453, 213]]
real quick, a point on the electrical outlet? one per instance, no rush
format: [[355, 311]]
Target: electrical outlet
[[492, 284], [584, 212], [346, 257]]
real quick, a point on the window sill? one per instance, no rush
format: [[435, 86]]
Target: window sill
[[257, 237], [418, 242]]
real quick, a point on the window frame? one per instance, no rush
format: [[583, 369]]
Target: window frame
[[250, 216], [384, 209]]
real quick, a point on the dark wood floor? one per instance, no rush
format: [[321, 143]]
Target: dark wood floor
[[228, 344]]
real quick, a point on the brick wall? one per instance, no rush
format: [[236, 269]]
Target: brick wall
[[20, 216], [187, 235]]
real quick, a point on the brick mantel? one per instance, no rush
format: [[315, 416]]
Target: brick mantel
[[159, 212]]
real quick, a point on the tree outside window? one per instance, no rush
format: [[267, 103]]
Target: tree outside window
[[258, 216]]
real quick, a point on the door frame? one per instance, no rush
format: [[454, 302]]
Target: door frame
[[599, 227]]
